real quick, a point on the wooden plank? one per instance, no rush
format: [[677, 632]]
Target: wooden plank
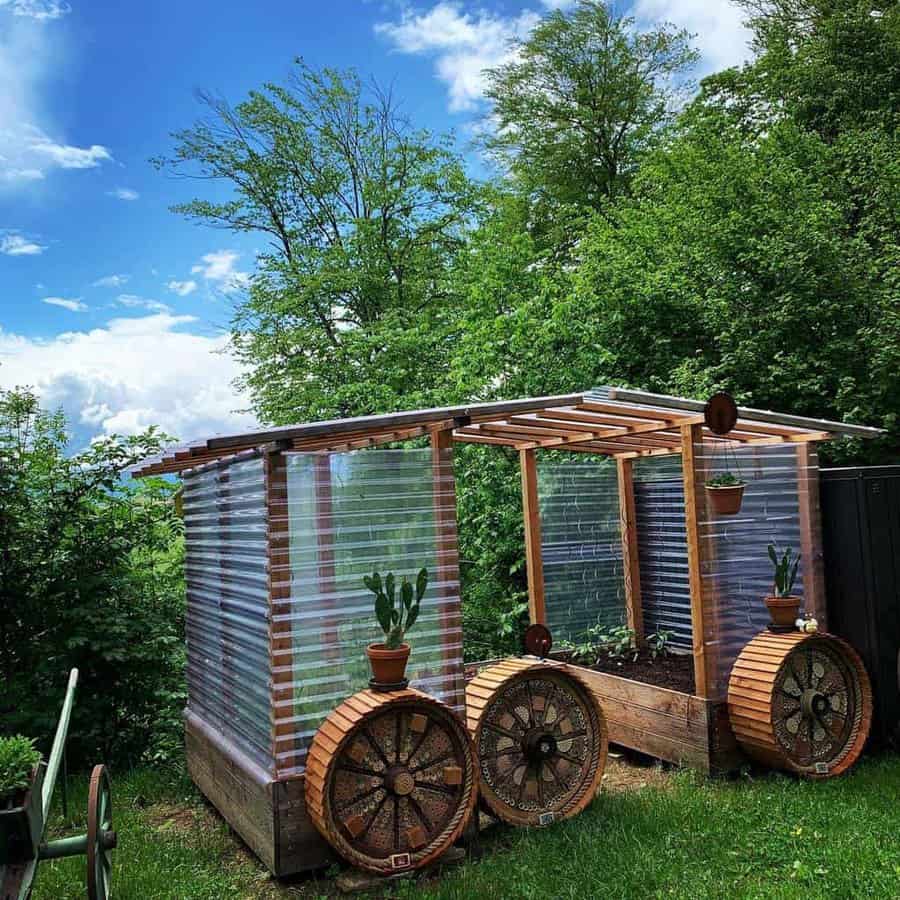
[[813, 562], [630, 561], [533, 555], [444, 498], [298, 845], [694, 506]]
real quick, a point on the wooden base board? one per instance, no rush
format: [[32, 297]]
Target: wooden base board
[[269, 815], [670, 725]]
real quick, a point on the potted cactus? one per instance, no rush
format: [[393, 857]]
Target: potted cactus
[[783, 606], [726, 493], [396, 613]]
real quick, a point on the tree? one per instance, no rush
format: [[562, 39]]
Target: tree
[[90, 577], [349, 310], [581, 101]]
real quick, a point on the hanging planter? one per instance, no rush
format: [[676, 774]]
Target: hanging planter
[[726, 493]]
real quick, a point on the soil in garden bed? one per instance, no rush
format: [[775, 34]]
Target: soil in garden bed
[[675, 671]]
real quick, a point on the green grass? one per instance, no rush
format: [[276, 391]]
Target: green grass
[[680, 837]]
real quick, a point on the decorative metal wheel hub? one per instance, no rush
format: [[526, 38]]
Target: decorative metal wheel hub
[[541, 743]]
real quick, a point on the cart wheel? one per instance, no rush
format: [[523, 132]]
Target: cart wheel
[[100, 836]]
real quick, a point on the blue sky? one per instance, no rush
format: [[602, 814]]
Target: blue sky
[[111, 305]]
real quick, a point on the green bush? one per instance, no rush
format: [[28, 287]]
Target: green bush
[[18, 757], [90, 577]]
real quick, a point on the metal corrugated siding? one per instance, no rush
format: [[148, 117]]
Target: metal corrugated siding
[[228, 670], [381, 516], [581, 543]]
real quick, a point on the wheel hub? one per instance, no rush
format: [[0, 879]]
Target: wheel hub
[[400, 781], [814, 703], [539, 745]]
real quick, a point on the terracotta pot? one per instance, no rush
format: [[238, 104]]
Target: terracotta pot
[[388, 666], [783, 610], [726, 501]]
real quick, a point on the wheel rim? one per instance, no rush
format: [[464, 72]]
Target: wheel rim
[[100, 837], [401, 783], [816, 706], [541, 744]]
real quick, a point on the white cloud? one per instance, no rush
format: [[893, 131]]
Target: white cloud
[[42, 10], [462, 44], [72, 305], [111, 281], [13, 244], [718, 28], [121, 193], [133, 301], [68, 157], [218, 269], [22, 175], [130, 374], [557, 4], [182, 288], [31, 58]]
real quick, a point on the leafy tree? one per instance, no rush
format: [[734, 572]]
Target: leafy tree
[[350, 306], [581, 101], [90, 577]]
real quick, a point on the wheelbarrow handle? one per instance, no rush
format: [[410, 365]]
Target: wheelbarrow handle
[[59, 746]]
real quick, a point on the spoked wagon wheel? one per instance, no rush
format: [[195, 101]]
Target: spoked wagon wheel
[[801, 702], [541, 741], [390, 780], [101, 839]]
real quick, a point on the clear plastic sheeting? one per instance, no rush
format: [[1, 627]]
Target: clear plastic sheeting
[[662, 548], [349, 514], [737, 573], [228, 669], [584, 582]]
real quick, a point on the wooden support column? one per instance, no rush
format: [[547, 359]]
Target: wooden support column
[[812, 565], [447, 550], [279, 585], [630, 561], [703, 626], [537, 612]]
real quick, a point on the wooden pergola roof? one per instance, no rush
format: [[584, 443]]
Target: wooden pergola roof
[[610, 421]]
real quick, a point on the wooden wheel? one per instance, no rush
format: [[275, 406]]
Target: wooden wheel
[[801, 702], [541, 740], [390, 780], [100, 836]]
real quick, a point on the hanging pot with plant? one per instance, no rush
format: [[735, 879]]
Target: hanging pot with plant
[[782, 605], [726, 493], [395, 615]]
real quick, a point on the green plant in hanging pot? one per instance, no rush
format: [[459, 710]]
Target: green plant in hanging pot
[[782, 605], [396, 612], [726, 493]]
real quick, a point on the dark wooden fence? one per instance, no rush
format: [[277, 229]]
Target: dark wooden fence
[[861, 542]]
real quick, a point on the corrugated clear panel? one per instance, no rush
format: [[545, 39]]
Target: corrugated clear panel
[[737, 574], [228, 666], [349, 514], [662, 547], [581, 542]]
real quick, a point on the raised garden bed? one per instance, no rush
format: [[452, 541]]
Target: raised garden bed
[[675, 671]]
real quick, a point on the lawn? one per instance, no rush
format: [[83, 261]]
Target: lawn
[[651, 833]]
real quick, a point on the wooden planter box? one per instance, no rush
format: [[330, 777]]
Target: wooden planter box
[[269, 815], [21, 826], [670, 725]]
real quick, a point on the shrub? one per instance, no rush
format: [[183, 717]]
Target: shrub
[[18, 757]]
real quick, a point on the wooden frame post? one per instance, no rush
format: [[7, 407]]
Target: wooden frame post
[[279, 566], [631, 567], [446, 547], [534, 560], [702, 625], [812, 565]]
